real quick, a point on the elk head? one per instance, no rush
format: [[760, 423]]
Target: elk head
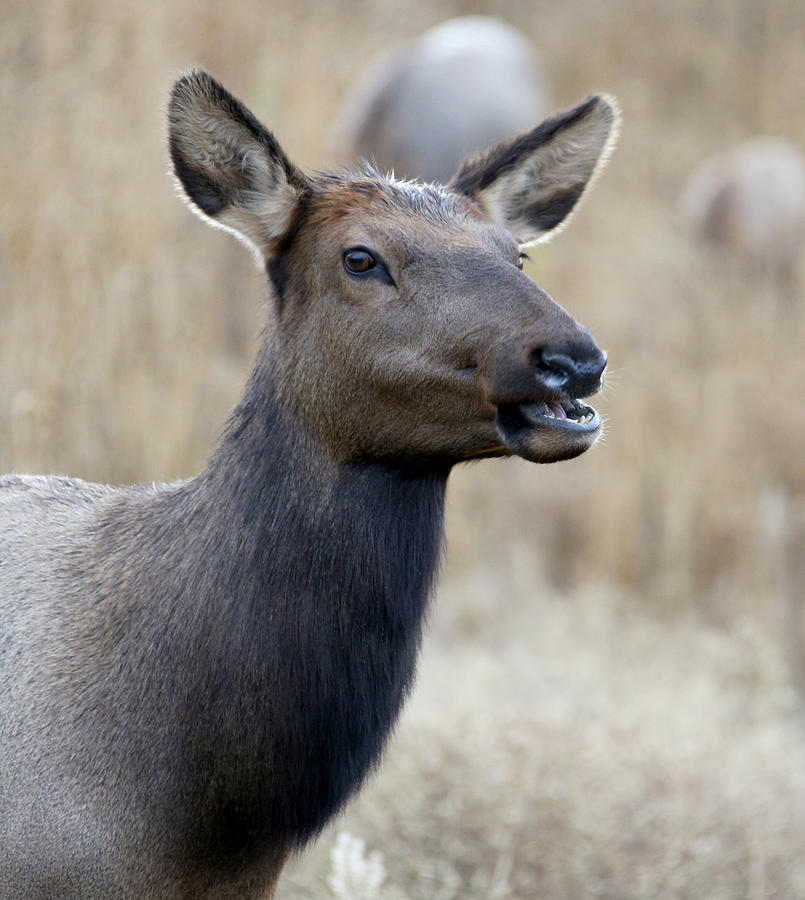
[[404, 329]]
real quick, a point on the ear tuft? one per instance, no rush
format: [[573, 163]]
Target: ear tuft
[[531, 184], [229, 166]]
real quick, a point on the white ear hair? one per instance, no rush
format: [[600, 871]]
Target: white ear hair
[[531, 185], [229, 167]]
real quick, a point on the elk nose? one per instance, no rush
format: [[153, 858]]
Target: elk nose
[[573, 376]]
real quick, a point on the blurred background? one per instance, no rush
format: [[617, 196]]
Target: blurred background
[[609, 701]]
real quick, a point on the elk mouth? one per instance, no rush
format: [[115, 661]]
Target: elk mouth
[[549, 430]]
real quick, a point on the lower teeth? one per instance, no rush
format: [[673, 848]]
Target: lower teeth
[[578, 415], [581, 418]]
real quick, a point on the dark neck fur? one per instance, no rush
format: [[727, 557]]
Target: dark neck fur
[[317, 577]]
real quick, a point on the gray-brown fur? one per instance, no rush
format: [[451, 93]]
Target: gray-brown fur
[[456, 89], [195, 676]]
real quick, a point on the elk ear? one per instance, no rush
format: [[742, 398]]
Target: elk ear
[[230, 168], [531, 184]]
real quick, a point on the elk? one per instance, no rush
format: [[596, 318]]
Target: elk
[[750, 203], [196, 676], [463, 85]]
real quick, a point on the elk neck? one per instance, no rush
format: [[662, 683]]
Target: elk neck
[[316, 579]]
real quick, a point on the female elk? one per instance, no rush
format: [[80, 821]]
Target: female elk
[[196, 676]]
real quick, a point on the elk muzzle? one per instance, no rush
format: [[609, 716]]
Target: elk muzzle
[[538, 393]]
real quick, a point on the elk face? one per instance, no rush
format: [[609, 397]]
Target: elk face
[[404, 328]]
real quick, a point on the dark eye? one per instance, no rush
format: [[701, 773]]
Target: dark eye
[[521, 259], [358, 262], [363, 263]]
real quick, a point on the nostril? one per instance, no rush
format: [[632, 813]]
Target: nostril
[[554, 363], [558, 371]]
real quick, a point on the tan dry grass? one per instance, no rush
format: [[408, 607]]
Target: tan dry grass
[[659, 757], [588, 756]]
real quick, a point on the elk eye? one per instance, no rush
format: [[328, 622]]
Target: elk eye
[[521, 259], [358, 261]]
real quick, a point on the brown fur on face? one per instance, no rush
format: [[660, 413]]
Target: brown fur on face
[[411, 369], [390, 369]]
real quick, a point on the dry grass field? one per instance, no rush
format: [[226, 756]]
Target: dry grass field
[[609, 703]]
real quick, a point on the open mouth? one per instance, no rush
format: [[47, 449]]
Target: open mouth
[[548, 431], [571, 414]]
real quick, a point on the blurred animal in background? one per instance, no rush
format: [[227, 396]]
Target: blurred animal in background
[[460, 87], [750, 202]]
